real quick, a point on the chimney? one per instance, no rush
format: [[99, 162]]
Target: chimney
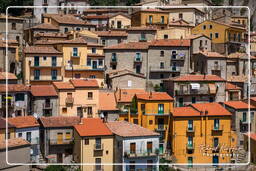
[[150, 94]]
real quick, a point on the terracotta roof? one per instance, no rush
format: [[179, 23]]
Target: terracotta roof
[[152, 10], [46, 42], [95, 55], [54, 35], [251, 135], [185, 111], [213, 109], [107, 10], [3, 124], [195, 36], [10, 76], [212, 54], [41, 49], [142, 28], [84, 83], [94, 45], [92, 127], [59, 121], [91, 17], [23, 121], [230, 86], [45, 26], [10, 17], [63, 85], [107, 101], [126, 95], [43, 90], [79, 40], [192, 77], [237, 78], [111, 33], [238, 55], [14, 142], [14, 88], [180, 23], [228, 25], [124, 15], [125, 72], [238, 105], [126, 129], [171, 42], [130, 45], [154, 96]]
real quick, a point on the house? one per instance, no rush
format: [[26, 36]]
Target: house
[[199, 42], [18, 152], [88, 36], [94, 143], [27, 128], [125, 79], [226, 38], [11, 130], [119, 21], [100, 21], [111, 37], [18, 100], [199, 134], [241, 118], [4, 76], [250, 144], [150, 17], [133, 145], [57, 137], [233, 92], [141, 33], [189, 89], [42, 65], [108, 105], [44, 100], [78, 98]]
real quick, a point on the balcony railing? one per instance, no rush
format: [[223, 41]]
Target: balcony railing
[[47, 64], [160, 127], [177, 57], [191, 129], [46, 78], [190, 146], [98, 146], [156, 112], [141, 153], [191, 92], [244, 121], [75, 55], [83, 68], [217, 128], [60, 141], [47, 106], [165, 69], [69, 100]]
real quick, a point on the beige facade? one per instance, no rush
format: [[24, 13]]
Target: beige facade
[[173, 33], [119, 21]]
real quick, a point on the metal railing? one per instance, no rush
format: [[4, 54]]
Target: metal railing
[[141, 153], [190, 91], [156, 112], [98, 146], [177, 57], [217, 128], [47, 106], [78, 55], [69, 100], [54, 141], [46, 78]]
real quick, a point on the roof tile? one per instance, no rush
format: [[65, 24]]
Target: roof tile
[[43, 90], [154, 96], [23, 121], [59, 121]]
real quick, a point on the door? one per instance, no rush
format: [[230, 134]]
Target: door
[[160, 108], [59, 158], [160, 123], [60, 138], [54, 61], [119, 24], [190, 162], [161, 148], [149, 147], [132, 148], [216, 142], [94, 64], [36, 61], [54, 74], [215, 160]]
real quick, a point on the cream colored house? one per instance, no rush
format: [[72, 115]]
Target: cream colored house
[[119, 21], [94, 145], [78, 98]]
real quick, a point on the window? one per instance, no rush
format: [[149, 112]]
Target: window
[[65, 29], [150, 122], [37, 74], [89, 61], [210, 26], [142, 107], [90, 95], [162, 19], [215, 142], [28, 136], [174, 54], [161, 75], [150, 19], [132, 148], [45, 10], [234, 37], [252, 116], [229, 36], [216, 124], [160, 108], [18, 38], [36, 61], [193, 99], [162, 65], [149, 165], [103, 42], [13, 26], [216, 35], [190, 125], [8, 136], [78, 29], [89, 110], [114, 67], [138, 57], [75, 51], [20, 134], [143, 36], [190, 141], [211, 35], [100, 62], [119, 24], [239, 37], [54, 61], [93, 50], [44, 58], [161, 53], [149, 147], [205, 42], [166, 36], [19, 97], [129, 83], [180, 104], [68, 135], [98, 162], [180, 16], [244, 118], [138, 68], [98, 143], [135, 121], [211, 99], [132, 166], [86, 141], [54, 74], [204, 27], [113, 57], [77, 76], [64, 110], [190, 162]]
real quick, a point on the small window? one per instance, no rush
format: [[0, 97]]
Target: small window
[[150, 18], [78, 29], [216, 35], [135, 121], [205, 42], [68, 135], [114, 67], [65, 29], [20, 134], [166, 36], [77, 76], [100, 62], [211, 35], [89, 61], [150, 122], [90, 95], [45, 58], [86, 141], [162, 19], [161, 53], [92, 76], [180, 16], [64, 110], [161, 65], [161, 76], [13, 26], [210, 26], [204, 27], [103, 42], [93, 50]]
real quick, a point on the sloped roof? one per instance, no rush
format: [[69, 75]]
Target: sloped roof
[[45, 26], [238, 105], [43, 90], [126, 95], [213, 109], [10, 76], [79, 83], [59, 121], [192, 77], [130, 46], [3, 124], [41, 49], [14, 142], [154, 96], [23, 121], [170, 42], [14, 88], [107, 101]]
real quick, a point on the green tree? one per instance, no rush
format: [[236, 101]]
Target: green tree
[[55, 168], [103, 2], [217, 2], [14, 11]]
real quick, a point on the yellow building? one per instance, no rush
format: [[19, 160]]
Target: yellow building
[[201, 133], [150, 17], [11, 130], [94, 144], [78, 98], [225, 38], [42, 65], [243, 20], [119, 21]]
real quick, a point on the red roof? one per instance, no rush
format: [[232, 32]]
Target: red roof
[[14, 142], [252, 136], [107, 101], [10, 76], [43, 90], [63, 85], [23, 121], [212, 54], [185, 111], [59, 121], [14, 88], [230, 86], [126, 95], [130, 45], [84, 83], [154, 96], [238, 105], [92, 127], [213, 109], [198, 78], [171, 42]]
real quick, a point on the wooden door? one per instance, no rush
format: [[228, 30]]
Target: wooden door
[[60, 138]]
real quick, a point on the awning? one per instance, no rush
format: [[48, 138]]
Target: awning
[[212, 89], [195, 86]]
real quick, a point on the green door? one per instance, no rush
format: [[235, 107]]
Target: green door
[[161, 148]]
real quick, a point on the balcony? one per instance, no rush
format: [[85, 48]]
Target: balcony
[[75, 55], [69, 100], [156, 112], [191, 129], [244, 121], [46, 64], [164, 69], [83, 68], [192, 92], [98, 147], [137, 60], [141, 153], [160, 128], [217, 128], [177, 57], [46, 78], [47, 106], [60, 141], [190, 146]]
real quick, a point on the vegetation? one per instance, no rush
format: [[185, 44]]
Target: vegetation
[[217, 2], [55, 168], [5, 3], [103, 2]]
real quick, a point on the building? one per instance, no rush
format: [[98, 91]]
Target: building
[[4, 76], [252, 145], [27, 128], [111, 37], [233, 92], [42, 65], [125, 79], [119, 21], [189, 89], [108, 105], [88, 36], [18, 100], [200, 133], [78, 98], [199, 42], [241, 118], [141, 34], [11, 130], [226, 38], [134, 144], [100, 21], [94, 143], [56, 138], [44, 100], [18, 152], [150, 17]]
